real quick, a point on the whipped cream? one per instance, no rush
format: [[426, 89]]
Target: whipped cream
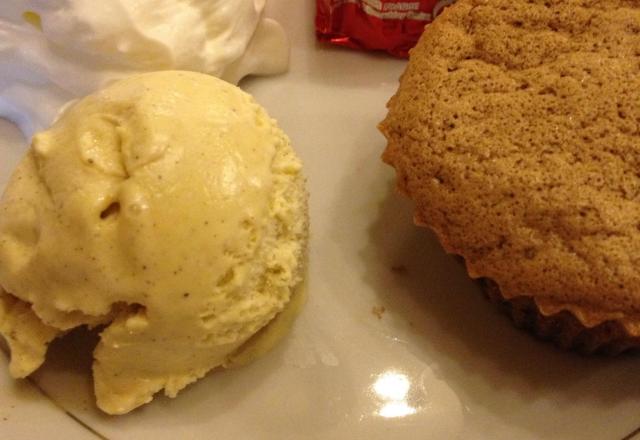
[[53, 51]]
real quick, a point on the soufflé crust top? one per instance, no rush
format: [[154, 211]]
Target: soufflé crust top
[[516, 130]]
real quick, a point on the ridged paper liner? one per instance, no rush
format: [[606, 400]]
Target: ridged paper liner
[[563, 328]]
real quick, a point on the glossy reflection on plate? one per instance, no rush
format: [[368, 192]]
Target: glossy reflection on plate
[[392, 389]]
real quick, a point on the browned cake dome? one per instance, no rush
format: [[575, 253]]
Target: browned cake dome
[[516, 130]]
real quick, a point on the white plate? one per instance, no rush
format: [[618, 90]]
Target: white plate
[[435, 361]]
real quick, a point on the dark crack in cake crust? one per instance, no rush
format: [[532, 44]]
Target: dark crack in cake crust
[[516, 131]]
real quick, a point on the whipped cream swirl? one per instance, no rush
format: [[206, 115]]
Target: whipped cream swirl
[[53, 51]]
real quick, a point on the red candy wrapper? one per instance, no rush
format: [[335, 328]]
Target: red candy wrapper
[[390, 25]]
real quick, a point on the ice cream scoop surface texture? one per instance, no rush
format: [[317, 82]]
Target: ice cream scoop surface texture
[[167, 209]]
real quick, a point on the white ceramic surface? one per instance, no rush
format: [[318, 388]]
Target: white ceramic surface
[[395, 342]]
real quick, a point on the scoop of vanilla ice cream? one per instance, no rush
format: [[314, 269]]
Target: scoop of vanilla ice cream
[[52, 51], [168, 207]]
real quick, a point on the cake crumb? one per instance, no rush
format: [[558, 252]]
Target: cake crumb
[[399, 269], [378, 311]]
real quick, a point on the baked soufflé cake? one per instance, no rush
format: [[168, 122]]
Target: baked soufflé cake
[[516, 132]]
